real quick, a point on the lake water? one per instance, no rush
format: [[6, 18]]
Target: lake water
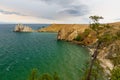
[[21, 52]]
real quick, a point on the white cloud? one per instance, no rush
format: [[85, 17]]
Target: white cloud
[[59, 11]]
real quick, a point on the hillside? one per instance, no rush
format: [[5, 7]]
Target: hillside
[[109, 34], [57, 27]]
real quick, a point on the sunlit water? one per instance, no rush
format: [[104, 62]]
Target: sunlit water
[[21, 52]]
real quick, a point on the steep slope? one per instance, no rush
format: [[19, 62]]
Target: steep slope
[[109, 50]]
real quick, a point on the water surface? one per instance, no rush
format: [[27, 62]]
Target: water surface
[[21, 52]]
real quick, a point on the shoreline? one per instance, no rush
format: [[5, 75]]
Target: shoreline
[[106, 64]]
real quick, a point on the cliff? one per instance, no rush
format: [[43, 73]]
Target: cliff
[[109, 34], [69, 32], [22, 28]]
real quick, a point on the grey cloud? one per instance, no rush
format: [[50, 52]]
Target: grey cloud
[[10, 13], [70, 12], [47, 9], [61, 2], [74, 10], [70, 7], [117, 19]]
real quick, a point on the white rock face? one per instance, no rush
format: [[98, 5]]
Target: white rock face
[[22, 28], [70, 32]]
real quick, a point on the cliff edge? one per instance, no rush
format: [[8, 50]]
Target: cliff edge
[[58, 27], [109, 34]]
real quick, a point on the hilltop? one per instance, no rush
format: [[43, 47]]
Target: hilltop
[[58, 27]]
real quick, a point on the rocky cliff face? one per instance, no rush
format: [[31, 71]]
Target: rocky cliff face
[[109, 51], [22, 28], [69, 32]]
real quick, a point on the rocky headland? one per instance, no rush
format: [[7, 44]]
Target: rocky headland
[[22, 28], [84, 34], [109, 34]]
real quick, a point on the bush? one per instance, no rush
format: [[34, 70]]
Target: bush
[[107, 38], [118, 34], [78, 38], [115, 73], [86, 32], [107, 26]]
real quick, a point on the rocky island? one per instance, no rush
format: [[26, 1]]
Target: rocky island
[[22, 28]]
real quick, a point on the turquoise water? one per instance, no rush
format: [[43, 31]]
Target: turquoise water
[[21, 52]]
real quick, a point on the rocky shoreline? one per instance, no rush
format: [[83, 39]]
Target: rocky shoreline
[[82, 34], [106, 51]]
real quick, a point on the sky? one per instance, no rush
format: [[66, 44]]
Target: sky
[[58, 11]]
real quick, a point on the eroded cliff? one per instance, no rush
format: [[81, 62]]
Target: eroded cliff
[[109, 50]]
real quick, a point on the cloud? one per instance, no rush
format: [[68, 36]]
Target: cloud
[[58, 10], [10, 12], [117, 19], [69, 7], [60, 2], [74, 10]]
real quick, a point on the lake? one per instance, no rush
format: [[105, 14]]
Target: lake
[[21, 52]]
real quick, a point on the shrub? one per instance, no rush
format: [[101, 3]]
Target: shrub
[[118, 34], [78, 38], [115, 73], [86, 32], [107, 38]]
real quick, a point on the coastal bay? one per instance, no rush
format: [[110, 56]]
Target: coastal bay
[[21, 52]]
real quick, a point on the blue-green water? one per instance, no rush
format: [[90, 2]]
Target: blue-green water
[[21, 52]]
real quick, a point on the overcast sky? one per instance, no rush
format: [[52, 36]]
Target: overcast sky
[[58, 11]]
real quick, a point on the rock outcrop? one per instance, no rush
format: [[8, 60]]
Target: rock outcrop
[[71, 31], [22, 28]]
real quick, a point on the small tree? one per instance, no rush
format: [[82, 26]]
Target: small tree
[[96, 19], [95, 25]]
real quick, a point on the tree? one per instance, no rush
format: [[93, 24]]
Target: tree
[[95, 18], [92, 62], [95, 25]]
